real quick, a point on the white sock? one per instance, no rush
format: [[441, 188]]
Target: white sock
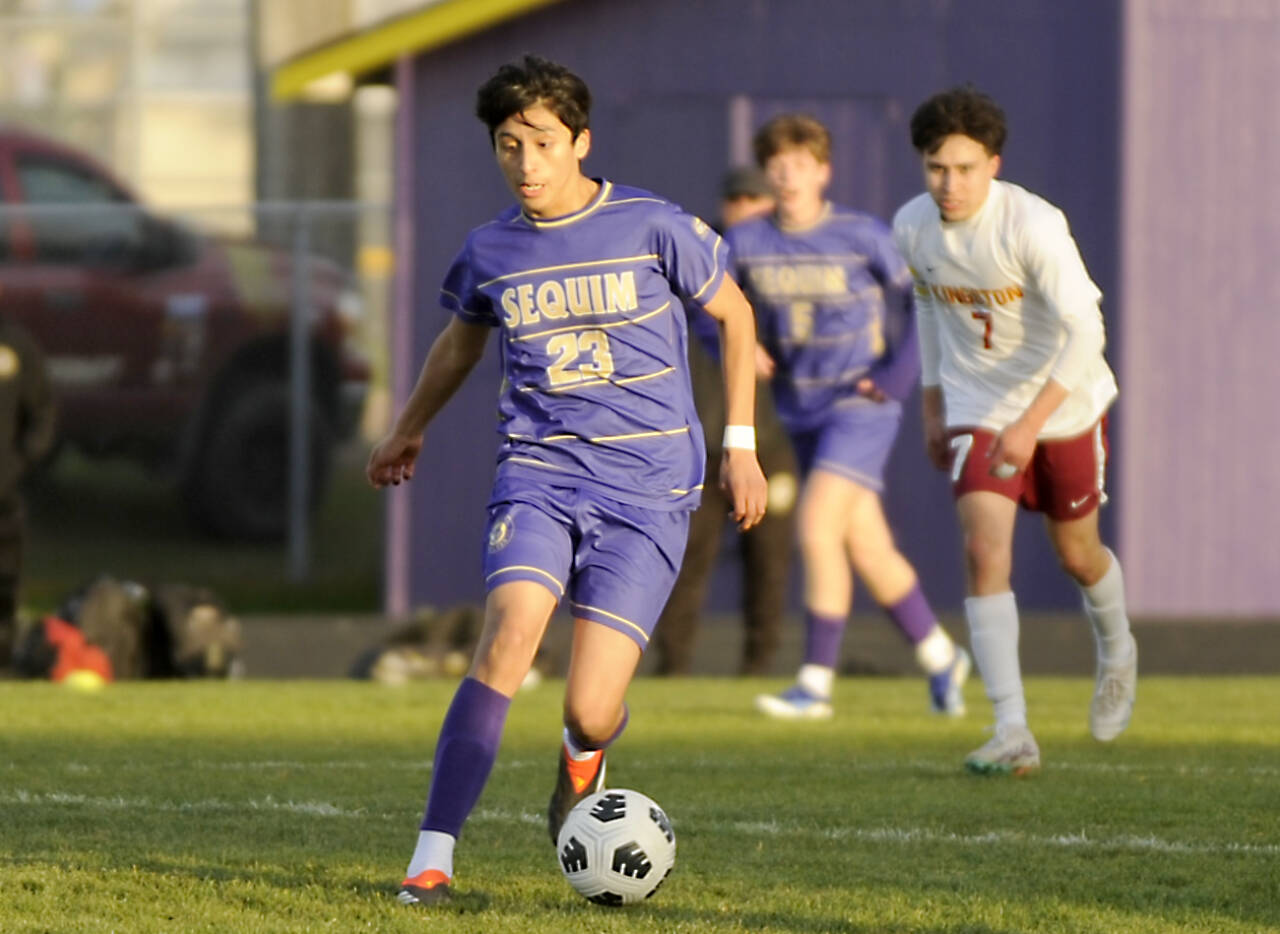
[[993, 636], [935, 652], [434, 851], [576, 752], [816, 679], [1105, 607]]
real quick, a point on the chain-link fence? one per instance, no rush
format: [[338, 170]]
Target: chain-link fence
[[224, 366]]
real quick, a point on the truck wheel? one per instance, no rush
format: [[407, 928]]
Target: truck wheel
[[239, 486]]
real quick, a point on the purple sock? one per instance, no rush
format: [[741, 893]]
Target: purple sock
[[912, 615], [822, 637], [465, 752]]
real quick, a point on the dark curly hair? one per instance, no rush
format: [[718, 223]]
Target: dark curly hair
[[963, 110], [530, 82]]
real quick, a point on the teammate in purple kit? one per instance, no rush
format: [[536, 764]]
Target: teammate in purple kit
[[836, 321], [765, 552], [602, 455]]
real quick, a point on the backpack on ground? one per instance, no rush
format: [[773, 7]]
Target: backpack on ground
[[175, 631], [203, 639], [434, 643], [115, 616], [54, 649]]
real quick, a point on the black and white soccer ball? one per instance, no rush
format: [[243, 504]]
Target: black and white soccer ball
[[616, 847]]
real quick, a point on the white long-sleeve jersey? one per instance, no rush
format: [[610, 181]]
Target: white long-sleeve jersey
[[1004, 304]]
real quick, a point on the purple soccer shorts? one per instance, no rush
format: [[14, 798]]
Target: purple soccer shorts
[[616, 562], [853, 442]]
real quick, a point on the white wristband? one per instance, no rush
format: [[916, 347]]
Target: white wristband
[[740, 436]]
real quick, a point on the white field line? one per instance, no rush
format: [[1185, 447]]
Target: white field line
[[209, 805], [755, 829], [953, 767], [1081, 840], [931, 766]]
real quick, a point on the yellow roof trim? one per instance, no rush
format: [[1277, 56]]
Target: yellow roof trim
[[380, 45]]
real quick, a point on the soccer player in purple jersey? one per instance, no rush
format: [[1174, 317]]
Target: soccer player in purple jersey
[[602, 454], [766, 550], [835, 316]]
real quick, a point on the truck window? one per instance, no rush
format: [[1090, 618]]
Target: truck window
[[75, 216]]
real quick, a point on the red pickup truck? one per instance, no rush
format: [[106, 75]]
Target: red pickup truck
[[169, 346]]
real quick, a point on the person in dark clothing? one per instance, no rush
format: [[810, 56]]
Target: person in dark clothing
[[26, 436], [766, 550]]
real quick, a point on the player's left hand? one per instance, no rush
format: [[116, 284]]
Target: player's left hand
[[743, 482], [1014, 446], [867, 387], [765, 367]]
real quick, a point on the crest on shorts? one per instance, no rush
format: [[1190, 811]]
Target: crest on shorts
[[9, 362], [501, 531]]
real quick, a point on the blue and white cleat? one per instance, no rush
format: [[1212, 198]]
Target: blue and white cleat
[[795, 703], [946, 688]]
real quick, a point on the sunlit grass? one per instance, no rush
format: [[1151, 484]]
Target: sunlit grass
[[260, 806]]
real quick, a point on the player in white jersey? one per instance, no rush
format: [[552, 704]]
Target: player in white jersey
[[1016, 392]]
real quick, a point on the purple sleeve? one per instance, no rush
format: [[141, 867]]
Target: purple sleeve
[[898, 368], [895, 373], [693, 255], [458, 292]]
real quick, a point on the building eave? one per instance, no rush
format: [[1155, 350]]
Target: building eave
[[380, 45]]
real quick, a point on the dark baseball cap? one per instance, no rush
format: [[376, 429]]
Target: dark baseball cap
[[745, 181]]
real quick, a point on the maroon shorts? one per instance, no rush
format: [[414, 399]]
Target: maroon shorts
[[1065, 479]]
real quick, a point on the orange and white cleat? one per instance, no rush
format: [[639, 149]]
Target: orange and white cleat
[[430, 887], [576, 779]]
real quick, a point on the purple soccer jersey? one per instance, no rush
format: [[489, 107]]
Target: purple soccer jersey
[[834, 304], [596, 390]]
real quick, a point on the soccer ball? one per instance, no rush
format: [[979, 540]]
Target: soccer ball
[[616, 847]]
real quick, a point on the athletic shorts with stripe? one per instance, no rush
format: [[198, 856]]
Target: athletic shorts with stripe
[[616, 562], [854, 441], [1065, 480]]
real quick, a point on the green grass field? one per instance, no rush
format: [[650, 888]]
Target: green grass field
[[272, 806]]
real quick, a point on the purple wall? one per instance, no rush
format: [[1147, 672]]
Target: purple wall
[[1200, 482], [672, 81]]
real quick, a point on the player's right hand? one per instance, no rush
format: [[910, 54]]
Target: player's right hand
[[936, 443], [868, 389], [391, 460]]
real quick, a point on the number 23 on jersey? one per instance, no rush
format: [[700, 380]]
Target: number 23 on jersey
[[579, 357]]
